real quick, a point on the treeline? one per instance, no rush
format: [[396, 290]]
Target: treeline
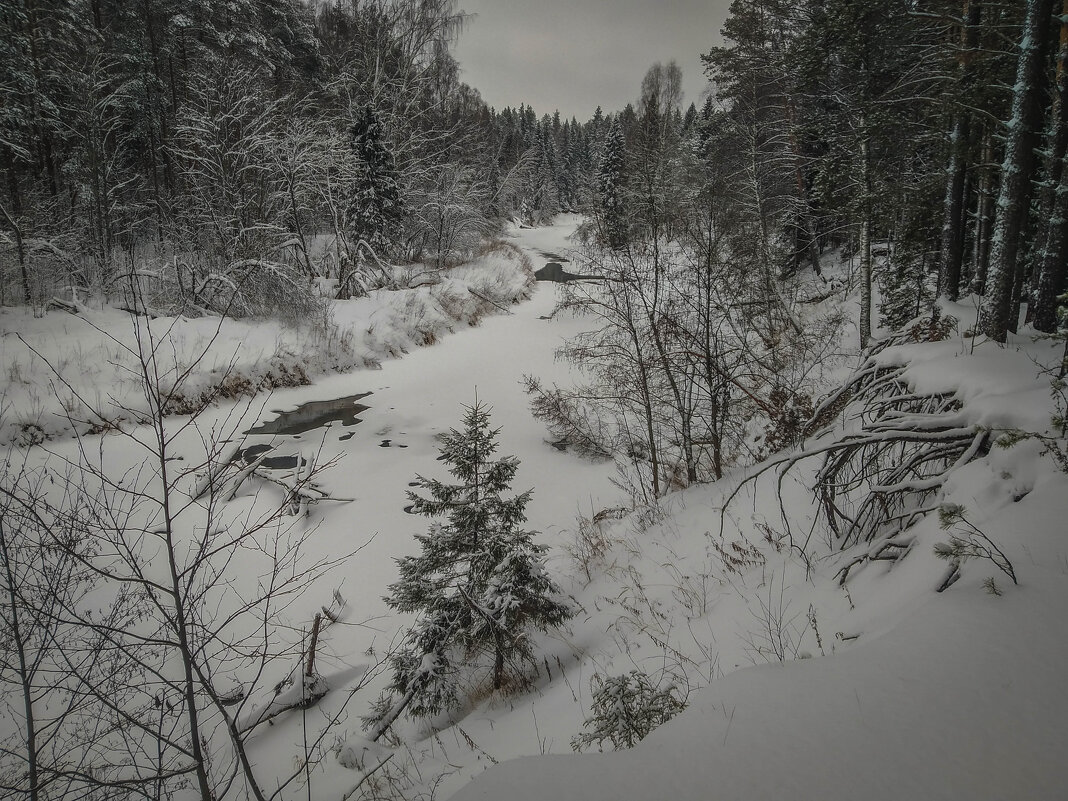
[[937, 128], [214, 156], [921, 145]]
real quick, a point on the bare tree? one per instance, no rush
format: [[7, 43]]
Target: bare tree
[[210, 652]]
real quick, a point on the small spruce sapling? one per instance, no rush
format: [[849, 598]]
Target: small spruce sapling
[[625, 709], [479, 583]]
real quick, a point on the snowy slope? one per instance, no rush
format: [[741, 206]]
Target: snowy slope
[[960, 699], [951, 695]]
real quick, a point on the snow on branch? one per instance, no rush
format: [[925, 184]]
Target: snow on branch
[[886, 461]]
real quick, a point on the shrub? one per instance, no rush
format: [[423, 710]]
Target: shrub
[[625, 709]]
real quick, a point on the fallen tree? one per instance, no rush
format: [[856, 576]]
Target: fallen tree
[[886, 451]]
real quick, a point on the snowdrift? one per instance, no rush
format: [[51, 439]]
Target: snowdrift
[[922, 694]]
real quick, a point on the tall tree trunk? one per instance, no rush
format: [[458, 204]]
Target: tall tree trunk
[[681, 406], [155, 115], [20, 249], [13, 182], [17, 641], [865, 241], [1053, 262], [1017, 171], [291, 180], [806, 223], [710, 346], [951, 254], [984, 215], [647, 414], [180, 626], [498, 660], [644, 383], [952, 250]]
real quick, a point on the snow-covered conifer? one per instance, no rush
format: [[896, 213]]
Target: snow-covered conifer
[[625, 709], [479, 583], [610, 187], [375, 208]]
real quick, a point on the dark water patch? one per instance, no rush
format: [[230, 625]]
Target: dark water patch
[[344, 437], [315, 414], [554, 271], [250, 454], [554, 256], [254, 452], [410, 509], [388, 443]]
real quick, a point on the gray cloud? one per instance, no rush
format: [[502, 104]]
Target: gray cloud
[[577, 54]]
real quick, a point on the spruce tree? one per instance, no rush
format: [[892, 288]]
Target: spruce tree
[[375, 208], [611, 180], [479, 583], [545, 179]]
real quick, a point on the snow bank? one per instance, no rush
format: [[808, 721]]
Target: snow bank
[[66, 373], [920, 695], [959, 701]]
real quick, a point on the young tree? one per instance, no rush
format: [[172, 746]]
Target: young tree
[[625, 710], [479, 583], [184, 657], [39, 578]]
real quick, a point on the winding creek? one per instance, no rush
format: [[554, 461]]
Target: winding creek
[[378, 430]]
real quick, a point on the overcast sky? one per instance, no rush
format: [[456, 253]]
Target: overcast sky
[[577, 54]]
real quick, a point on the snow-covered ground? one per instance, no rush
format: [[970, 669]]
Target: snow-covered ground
[[888, 689], [412, 399], [66, 373]]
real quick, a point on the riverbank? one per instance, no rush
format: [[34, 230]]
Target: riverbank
[[64, 374]]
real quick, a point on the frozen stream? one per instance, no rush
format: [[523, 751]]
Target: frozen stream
[[373, 432], [412, 400]]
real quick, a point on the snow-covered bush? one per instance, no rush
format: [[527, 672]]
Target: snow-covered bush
[[625, 709]]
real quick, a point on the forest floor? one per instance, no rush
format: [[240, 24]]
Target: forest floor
[[796, 685]]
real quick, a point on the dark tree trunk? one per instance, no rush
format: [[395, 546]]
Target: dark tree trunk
[[26, 667], [952, 251], [865, 241], [1053, 260], [13, 183], [999, 313], [984, 216], [20, 249], [498, 661]]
